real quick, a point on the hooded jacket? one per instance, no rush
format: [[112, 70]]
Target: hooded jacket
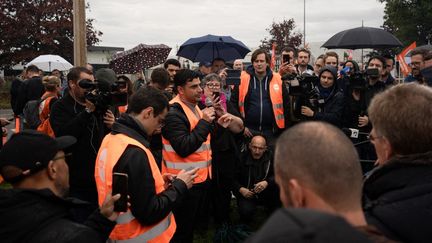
[[257, 99], [397, 198], [41, 216]]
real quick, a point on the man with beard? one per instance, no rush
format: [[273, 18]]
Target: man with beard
[[303, 58], [37, 209], [417, 64], [76, 116], [186, 146], [152, 196]]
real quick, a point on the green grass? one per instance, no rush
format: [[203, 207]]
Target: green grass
[[208, 235]]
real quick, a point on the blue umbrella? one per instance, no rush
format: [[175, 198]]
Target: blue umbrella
[[208, 47]]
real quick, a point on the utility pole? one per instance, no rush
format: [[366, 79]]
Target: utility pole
[[304, 23], [79, 29]]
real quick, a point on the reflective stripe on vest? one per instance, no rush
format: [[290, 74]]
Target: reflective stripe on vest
[[187, 166], [276, 98], [128, 227], [150, 234], [202, 148], [201, 158]]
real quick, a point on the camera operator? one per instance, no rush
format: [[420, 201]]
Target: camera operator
[[361, 89], [76, 116], [330, 102]]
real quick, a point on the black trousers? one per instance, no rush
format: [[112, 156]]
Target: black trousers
[[186, 213], [247, 207]]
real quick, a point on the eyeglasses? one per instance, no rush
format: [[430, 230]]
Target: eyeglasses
[[213, 85], [373, 138], [62, 157]]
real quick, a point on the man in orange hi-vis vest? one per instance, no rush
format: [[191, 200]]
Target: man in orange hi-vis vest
[[262, 99], [152, 195], [186, 146]]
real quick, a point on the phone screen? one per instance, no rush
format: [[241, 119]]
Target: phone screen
[[286, 58], [120, 186], [233, 77]]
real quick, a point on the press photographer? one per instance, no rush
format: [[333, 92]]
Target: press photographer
[[326, 104], [88, 121]]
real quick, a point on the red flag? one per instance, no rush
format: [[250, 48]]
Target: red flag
[[273, 56], [401, 58]]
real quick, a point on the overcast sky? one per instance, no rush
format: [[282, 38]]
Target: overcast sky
[[127, 23]]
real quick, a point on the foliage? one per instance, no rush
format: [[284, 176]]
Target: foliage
[[283, 35], [409, 20], [29, 28]]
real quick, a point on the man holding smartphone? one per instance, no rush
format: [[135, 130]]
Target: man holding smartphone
[[125, 150]]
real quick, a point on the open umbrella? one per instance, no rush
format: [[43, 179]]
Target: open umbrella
[[361, 38], [48, 63], [208, 47], [138, 58]]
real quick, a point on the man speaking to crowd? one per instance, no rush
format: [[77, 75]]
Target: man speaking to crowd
[[186, 145]]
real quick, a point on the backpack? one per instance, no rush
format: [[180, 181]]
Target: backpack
[[31, 113]]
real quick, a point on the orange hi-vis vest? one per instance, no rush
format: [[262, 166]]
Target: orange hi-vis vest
[[201, 158], [275, 97], [44, 113], [128, 229]]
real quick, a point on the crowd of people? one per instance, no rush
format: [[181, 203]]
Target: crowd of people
[[345, 151]]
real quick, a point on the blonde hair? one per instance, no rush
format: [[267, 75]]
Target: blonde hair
[[50, 82]]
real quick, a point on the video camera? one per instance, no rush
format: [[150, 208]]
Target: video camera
[[305, 92], [358, 80], [103, 94]]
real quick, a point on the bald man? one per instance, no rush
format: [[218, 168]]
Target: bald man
[[317, 167], [254, 180]]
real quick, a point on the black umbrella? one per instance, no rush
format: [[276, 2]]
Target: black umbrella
[[362, 37]]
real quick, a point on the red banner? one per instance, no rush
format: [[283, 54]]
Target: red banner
[[401, 58], [273, 57]]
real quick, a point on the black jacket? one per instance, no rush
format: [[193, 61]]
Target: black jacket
[[70, 118], [14, 92], [177, 131], [40, 216], [141, 185], [398, 198], [250, 171], [304, 225], [31, 89], [332, 109], [267, 117]]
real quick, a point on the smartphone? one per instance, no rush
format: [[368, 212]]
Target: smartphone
[[285, 58], [216, 94], [374, 72], [233, 77], [120, 186]]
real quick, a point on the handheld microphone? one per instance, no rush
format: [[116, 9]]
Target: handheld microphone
[[208, 102]]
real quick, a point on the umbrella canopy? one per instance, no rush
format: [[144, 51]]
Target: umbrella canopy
[[362, 37], [423, 47], [208, 47], [48, 63], [138, 58]]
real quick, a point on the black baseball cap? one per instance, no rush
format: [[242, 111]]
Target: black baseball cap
[[207, 64], [31, 151]]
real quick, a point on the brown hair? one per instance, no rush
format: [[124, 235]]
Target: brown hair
[[331, 54], [331, 170], [259, 52], [403, 115]]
